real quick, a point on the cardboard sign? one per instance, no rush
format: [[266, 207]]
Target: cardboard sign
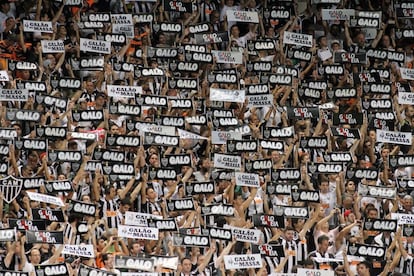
[[242, 261], [394, 137], [297, 39], [242, 16], [95, 46], [37, 26], [53, 46], [16, 95]]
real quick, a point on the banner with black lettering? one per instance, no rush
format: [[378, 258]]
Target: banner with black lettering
[[122, 24], [8, 235], [52, 46], [50, 237], [137, 232], [366, 251], [16, 95], [95, 46], [268, 221], [298, 39], [134, 263], [45, 198], [191, 240], [228, 57], [319, 272], [246, 235], [52, 270], [403, 218], [123, 91], [242, 16], [85, 270], [407, 73], [337, 14], [262, 100], [394, 137], [85, 250], [377, 192], [247, 179], [37, 26], [226, 161], [242, 261], [139, 219]]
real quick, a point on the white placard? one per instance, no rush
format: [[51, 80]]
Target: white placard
[[319, 272], [4, 76], [95, 46], [53, 46], [138, 219], [136, 232], [242, 16], [394, 137], [189, 135], [339, 14], [259, 100], [45, 198], [85, 250], [407, 73], [224, 161], [406, 98], [228, 57], [37, 26], [123, 24], [403, 218], [247, 179], [221, 137], [139, 274], [123, 91], [17, 95], [227, 95], [242, 261], [153, 128], [166, 262], [246, 235], [297, 39]]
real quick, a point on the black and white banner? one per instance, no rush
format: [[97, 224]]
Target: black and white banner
[[211, 38], [16, 95], [82, 208], [268, 221], [38, 26], [182, 204], [299, 195], [218, 210], [195, 188], [291, 211], [225, 161], [242, 261], [242, 16], [191, 240], [89, 271], [50, 237], [53, 46], [46, 214], [377, 192], [27, 225], [10, 187], [367, 251], [297, 39], [134, 263], [228, 57], [380, 225], [123, 91], [137, 232], [52, 270], [95, 46], [219, 233], [23, 115], [246, 235], [394, 137], [8, 235], [401, 161], [161, 140], [247, 179]]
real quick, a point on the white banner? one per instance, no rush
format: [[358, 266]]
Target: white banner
[[4, 76], [153, 128], [242, 16], [189, 135], [85, 250], [394, 137], [53, 46], [45, 198], [138, 219], [134, 232], [227, 95], [406, 98], [259, 100], [228, 57], [221, 137], [246, 235], [95, 46], [319, 272], [403, 218], [242, 261], [339, 14], [139, 274], [224, 161], [247, 179], [123, 24], [37, 26], [123, 91], [407, 73], [17, 95], [297, 39]]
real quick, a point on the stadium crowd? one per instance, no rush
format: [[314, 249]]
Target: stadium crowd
[[214, 137]]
